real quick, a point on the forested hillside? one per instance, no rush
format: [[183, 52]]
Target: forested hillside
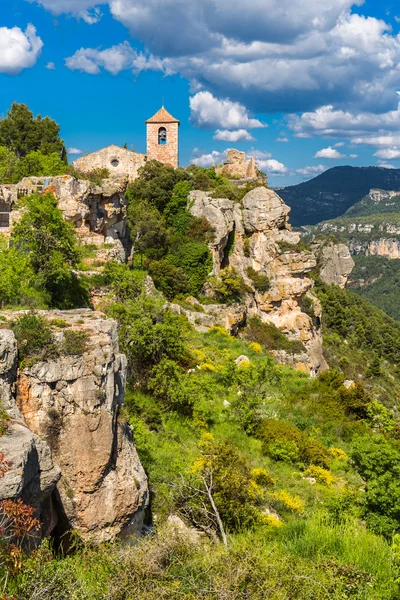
[[265, 482], [332, 193], [371, 229], [285, 485]]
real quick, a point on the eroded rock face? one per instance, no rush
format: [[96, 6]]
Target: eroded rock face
[[97, 211], [32, 474], [236, 165], [72, 402], [261, 238], [335, 262]]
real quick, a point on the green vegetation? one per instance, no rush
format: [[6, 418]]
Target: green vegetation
[[286, 484], [367, 207], [382, 282], [22, 134], [37, 267]]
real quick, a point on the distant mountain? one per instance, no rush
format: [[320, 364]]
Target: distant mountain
[[332, 193]]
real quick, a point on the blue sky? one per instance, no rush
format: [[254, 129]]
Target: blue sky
[[301, 85]]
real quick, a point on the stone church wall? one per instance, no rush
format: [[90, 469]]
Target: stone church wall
[[121, 163]]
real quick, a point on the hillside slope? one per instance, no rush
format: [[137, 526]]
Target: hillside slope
[[332, 193], [371, 230]]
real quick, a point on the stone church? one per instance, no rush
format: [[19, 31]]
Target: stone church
[[162, 145]]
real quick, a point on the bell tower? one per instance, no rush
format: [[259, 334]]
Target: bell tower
[[163, 138]]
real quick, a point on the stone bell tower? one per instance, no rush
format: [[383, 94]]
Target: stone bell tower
[[163, 138]]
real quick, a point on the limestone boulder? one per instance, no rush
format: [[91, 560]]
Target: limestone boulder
[[264, 210], [335, 263]]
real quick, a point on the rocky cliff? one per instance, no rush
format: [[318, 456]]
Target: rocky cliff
[[256, 235], [72, 457], [97, 211], [334, 261]]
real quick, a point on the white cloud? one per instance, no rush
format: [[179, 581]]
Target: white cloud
[[282, 139], [339, 145], [114, 60], [240, 135], [206, 160], [329, 153], [353, 155], [208, 112], [272, 167], [51, 66], [388, 153], [311, 171], [18, 49], [385, 165], [83, 9], [74, 151]]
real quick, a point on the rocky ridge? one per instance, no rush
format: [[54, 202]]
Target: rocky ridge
[[71, 457], [256, 234]]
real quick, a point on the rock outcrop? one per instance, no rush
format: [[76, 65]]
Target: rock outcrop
[[97, 211], [257, 235], [66, 427], [334, 261]]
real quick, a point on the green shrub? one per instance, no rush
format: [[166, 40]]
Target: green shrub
[[74, 343], [33, 335], [260, 281], [269, 336], [229, 287], [280, 440], [170, 280]]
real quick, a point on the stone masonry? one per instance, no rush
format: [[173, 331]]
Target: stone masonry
[[120, 162], [168, 152]]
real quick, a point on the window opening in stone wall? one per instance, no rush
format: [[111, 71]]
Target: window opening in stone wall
[[162, 136], [115, 162], [4, 214]]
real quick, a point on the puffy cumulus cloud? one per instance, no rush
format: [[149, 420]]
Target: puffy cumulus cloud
[[270, 56], [73, 150], [282, 139], [388, 153], [271, 166], [114, 60], [361, 127], [18, 49], [208, 112], [51, 66], [329, 153], [240, 135], [88, 10], [208, 159], [311, 171]]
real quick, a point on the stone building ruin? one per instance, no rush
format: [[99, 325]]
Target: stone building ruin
[[121, 163]]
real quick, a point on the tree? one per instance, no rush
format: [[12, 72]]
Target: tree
[[22, 133], [147, 229], [18, 281], [51, 245], [155, 184]]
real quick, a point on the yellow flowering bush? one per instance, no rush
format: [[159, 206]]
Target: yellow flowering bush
[[199, 355], [270, 520], [217, 329], [338, 454], [288, 502], [262, 477], [207, 367], [255, 347], [321, 475]]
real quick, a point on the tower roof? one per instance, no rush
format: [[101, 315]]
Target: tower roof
[[162, 116]]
